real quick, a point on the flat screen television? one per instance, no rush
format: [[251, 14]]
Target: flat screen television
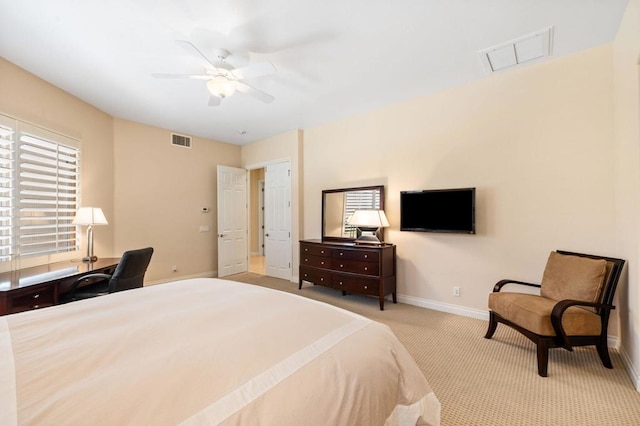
[[438, 210]]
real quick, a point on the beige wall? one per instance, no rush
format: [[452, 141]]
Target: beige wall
[[536, 142], [31, 99], [627, 178], [283, 147], [160, 191]]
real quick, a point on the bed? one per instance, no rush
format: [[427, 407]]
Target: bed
[[206, 351]]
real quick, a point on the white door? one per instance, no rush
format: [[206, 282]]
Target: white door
[[277, 218], [232, 220]]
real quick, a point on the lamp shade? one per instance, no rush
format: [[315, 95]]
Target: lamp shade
[[369, 219], [90, 216]]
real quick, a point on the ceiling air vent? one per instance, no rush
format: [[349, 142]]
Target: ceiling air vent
[[523, 49], [180, 140]]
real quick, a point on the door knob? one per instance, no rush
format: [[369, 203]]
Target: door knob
[[220, 235]]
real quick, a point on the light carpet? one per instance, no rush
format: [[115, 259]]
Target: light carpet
[[492, 382]]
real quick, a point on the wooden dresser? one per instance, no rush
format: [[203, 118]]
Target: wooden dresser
[[350, 267]]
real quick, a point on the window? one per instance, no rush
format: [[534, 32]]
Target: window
[[39, 190]]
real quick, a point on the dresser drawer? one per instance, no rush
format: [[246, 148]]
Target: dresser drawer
[[355, 266], [316, 276], [316, 261], [362, 255], [314, 250], [31, 298], [355, 285]]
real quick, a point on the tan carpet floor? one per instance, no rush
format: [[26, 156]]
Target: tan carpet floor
[[492, 382]]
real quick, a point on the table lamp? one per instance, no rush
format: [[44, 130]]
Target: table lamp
[[369, 224], [89, 216]]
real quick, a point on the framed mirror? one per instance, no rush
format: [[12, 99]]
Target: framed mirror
[[338, 205]]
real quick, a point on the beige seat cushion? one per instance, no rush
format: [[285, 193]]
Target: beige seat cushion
[[573, 277], [533, 312]]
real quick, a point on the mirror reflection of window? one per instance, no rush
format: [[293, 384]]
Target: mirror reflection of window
[[358, 200], [339, 206]]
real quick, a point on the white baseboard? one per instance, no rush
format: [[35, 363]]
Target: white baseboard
[[444, 307], [613, 342], [631, 369]]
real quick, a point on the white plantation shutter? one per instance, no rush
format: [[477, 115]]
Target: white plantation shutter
[[48, 174], [7, 170], [39, 189]]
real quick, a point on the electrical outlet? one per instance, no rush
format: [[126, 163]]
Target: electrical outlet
[[456, 291], [174, 268]]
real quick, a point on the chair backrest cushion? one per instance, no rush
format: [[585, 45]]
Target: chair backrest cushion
[[130, 270], [573, 277]]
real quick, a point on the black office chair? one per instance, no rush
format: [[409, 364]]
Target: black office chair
[[128, 274]]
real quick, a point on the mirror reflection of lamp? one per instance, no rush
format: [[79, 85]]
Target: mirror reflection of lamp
[[89, 216], [369, 224]]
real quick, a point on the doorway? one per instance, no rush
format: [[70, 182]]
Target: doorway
[[256, 221]]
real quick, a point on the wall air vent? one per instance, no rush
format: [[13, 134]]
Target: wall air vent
[[180, 140], [521, 50]]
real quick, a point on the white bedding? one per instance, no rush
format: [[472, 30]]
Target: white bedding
[[205, 352]]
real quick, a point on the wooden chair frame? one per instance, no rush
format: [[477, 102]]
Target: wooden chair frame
[[561, 339]]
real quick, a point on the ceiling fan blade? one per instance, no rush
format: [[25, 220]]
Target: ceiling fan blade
[[193, 50], [254, 70], [258, 94], [189, 76], [214, 100]]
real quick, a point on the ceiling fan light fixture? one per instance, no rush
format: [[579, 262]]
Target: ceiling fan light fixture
[[221, 86]]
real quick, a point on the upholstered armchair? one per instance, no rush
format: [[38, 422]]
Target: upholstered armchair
[[572, 309]]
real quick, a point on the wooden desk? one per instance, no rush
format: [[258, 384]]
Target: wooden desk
[[41, 286]]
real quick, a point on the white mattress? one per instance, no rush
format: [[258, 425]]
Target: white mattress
[[205, 352]]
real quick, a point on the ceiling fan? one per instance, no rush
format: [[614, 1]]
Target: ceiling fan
[[222, 78]]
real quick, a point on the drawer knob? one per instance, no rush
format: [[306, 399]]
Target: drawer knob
[[341, 253], [322, 263], [306, 249], [306, 260], [366, 268], [342, 266], [340, 282], [35, 296], [306, 275], [36, 306], [366, 255], [366, 287], [322, 251], [321, 279]]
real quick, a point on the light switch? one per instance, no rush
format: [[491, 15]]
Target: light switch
[[204, 228]]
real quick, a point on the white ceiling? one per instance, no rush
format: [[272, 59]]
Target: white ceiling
[[334, 58]]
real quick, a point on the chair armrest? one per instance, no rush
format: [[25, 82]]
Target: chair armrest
[[502, 283], [559, 310], [74, 285]]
